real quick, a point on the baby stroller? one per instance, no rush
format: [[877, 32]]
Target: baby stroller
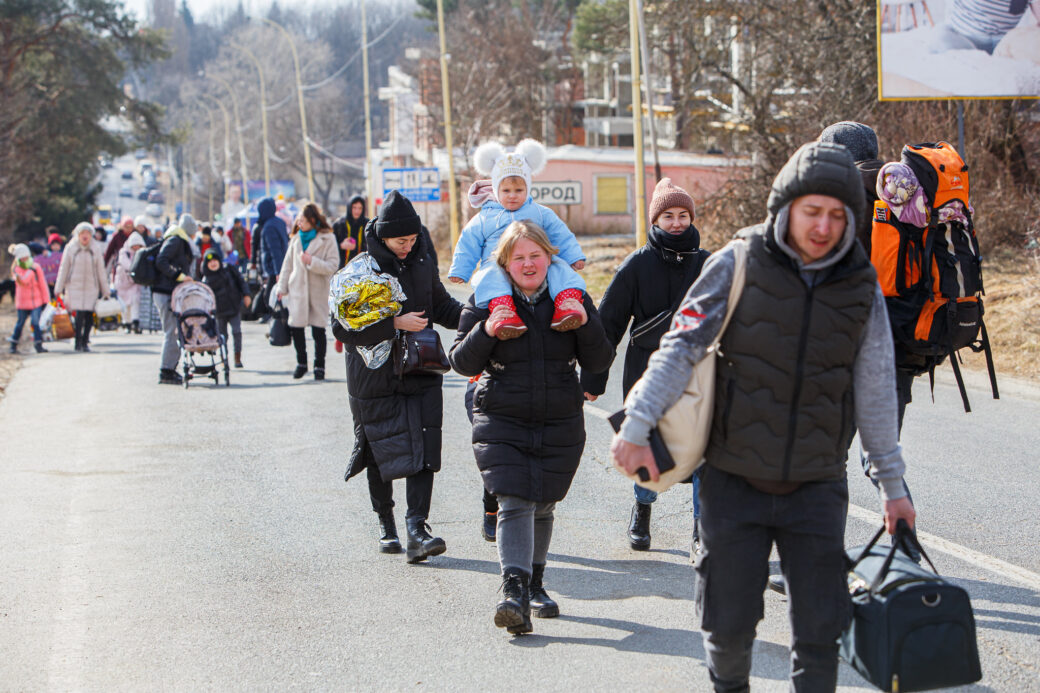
[[194, 306]]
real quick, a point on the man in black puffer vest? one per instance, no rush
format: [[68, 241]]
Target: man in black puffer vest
[[806, 359]]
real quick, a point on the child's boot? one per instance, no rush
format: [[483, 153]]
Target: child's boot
[[238, 359], [565, 320], [136, 326], [514, 326]]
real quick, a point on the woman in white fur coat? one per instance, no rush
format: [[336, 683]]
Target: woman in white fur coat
[[303, 285]]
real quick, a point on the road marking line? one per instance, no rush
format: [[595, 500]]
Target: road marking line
[[986, 562]]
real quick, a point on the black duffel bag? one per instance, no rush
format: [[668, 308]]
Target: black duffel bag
[[278, 334], [911, 630]]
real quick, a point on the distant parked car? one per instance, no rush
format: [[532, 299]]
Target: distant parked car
[[128, 174], [154, 209], [141, 153], [143, 194], [126, 191], [105, 160], [156, 196]]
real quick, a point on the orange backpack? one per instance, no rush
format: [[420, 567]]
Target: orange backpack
[[932, 277]]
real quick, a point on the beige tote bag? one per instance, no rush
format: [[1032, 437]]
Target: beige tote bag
[[685, 427]]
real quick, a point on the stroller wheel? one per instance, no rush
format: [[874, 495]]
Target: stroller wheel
[[187, 377]]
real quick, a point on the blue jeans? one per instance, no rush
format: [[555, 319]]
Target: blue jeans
[[646, 496], [739, 526], [34, 318], [491, 281]]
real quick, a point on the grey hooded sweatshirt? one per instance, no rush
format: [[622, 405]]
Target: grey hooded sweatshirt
[[704, 308]]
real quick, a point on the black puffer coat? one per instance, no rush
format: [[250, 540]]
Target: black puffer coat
[[528, 425], [646, 290], [398, 419], [175, 258], [228, 287]]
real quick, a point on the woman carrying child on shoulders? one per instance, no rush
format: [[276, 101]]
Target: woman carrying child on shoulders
[[529, 392]]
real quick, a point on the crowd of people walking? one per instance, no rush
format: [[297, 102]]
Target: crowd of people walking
[[809, 329]]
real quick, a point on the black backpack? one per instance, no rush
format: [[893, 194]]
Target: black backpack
[[142, 267]]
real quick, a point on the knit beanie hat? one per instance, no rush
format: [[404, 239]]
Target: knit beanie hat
[[19, 251], [527, 160], [134, 239], [187, 223], [81, 227], [126, 223], [818, 168], [141, 220], [859, 139], [55, 238], [397, 217], [667, 196]]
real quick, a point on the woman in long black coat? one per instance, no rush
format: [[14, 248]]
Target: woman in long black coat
[[397, 421], [528, 424]]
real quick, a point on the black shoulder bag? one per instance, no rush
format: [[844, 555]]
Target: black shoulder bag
[[419, 353]]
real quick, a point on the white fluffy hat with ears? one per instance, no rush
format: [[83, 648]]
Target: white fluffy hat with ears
[[526, 160]]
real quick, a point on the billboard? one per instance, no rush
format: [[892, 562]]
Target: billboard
[[257, 189], [946, 49]]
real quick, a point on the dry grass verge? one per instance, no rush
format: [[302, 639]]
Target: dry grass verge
[[9, 363], [1012, 302]]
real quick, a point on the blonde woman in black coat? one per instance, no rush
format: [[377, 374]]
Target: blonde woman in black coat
[[528, 424]]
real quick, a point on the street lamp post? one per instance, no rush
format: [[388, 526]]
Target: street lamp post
[[303, 108], [369, 182], [263, 114], [227, 141], [453, 212], [637, 125], [238, 132]]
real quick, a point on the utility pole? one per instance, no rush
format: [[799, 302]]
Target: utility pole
[[263, 114], [303, 108], [453, 210], [637, 124], [369, 176], [238, 132], [648, 86]]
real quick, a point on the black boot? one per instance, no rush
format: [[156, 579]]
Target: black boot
[[301, 370], [489, 526], [639, 528], [388, 541], [421, 544], [136, 326], [514, 611], [168, 376], [319, 373], [14, 347], [541, 603], [39, 348]]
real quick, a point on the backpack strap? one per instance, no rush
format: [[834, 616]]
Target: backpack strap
[[989, 360], [957, 374]]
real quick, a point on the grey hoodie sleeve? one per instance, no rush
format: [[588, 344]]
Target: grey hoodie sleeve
[[875, 405], [694, 328]]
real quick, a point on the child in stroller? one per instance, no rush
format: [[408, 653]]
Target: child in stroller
[[194, 306]]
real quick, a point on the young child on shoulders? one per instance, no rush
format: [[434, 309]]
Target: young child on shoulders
[[503, 199]]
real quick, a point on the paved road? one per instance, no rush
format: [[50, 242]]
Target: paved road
[[158, 538]]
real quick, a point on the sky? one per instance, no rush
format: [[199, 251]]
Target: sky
[[201, 8]]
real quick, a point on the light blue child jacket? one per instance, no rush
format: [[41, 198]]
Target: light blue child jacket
[[481, 235]]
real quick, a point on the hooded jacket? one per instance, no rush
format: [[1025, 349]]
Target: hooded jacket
[[228, 287], [397, 421], [82, 276], [807, 358], [646, 290], [480, 236], [348, 227], [176, 257], [274, 239], [30, 288], [126, 287]]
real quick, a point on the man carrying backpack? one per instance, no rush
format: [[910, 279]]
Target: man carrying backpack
[[786, 409]]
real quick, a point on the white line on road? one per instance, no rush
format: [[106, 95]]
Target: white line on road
[[988, 563]]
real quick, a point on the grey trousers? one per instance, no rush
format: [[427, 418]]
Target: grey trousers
[[171, 349], [523, 533], [236, 329]]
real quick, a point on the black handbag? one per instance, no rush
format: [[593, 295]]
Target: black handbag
[[419, 353], [911, 630], [279, 334]]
